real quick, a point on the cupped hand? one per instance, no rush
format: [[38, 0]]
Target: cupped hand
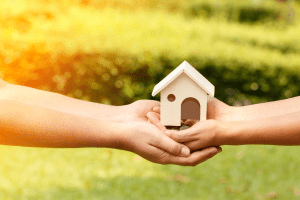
[[201, 135], [152, 144], [137, 111]]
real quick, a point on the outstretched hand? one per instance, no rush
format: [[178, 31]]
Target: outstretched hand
[[152, 144], [154, 118], [137, 111], [201, 135]]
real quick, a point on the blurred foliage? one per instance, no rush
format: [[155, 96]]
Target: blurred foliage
[[234, 10], [114, 52]]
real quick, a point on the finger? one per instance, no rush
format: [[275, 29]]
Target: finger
[[152, 117], [186, 135], [198, 144], [155, 120], [190, 122], [194, 158], [195, 145], [167, 144], [156, 109], [219, 149], [157, 115]]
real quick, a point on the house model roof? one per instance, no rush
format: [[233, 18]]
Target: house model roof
[[186, 68]]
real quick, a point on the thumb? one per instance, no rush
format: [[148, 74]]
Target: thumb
[[155, 119], [167, 144]]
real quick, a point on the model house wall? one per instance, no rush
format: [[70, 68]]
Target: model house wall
[[182, 87]]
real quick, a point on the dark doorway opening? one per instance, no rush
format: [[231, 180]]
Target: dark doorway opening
[[190, 109]]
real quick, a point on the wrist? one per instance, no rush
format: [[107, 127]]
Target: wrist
[[220, 133], [119, 114], [122, 114], [233, 133], [227, 133], [123, 133], [111, 113], [116, 138], [230, 114]]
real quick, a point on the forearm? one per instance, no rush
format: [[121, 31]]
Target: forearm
[[25, 125], [264, 110], [61, 103], [278, 130]]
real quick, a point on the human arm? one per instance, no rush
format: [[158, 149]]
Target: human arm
[[220, 111], [265, 123], [128, 113], [277, 130], [27, 125]]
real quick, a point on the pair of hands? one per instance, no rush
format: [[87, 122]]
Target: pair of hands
[[147, 137]]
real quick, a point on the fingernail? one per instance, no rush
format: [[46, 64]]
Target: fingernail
[[185, 152], [219, 150]]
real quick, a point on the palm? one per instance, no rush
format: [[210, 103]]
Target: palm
[[152, 144], [138, 110]]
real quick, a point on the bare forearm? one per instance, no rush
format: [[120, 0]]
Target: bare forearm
[[25, 125], [278, 130], [62, 103], [265, 110]]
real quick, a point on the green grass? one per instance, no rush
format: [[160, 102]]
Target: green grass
[[244, 172]]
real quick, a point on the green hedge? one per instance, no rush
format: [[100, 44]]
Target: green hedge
[[239, 11], [117, 57], [233, 10], [119, 79]]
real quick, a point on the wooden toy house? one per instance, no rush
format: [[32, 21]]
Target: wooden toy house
[[184, 95]]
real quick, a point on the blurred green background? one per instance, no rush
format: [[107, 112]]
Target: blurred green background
[[115, 52]]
